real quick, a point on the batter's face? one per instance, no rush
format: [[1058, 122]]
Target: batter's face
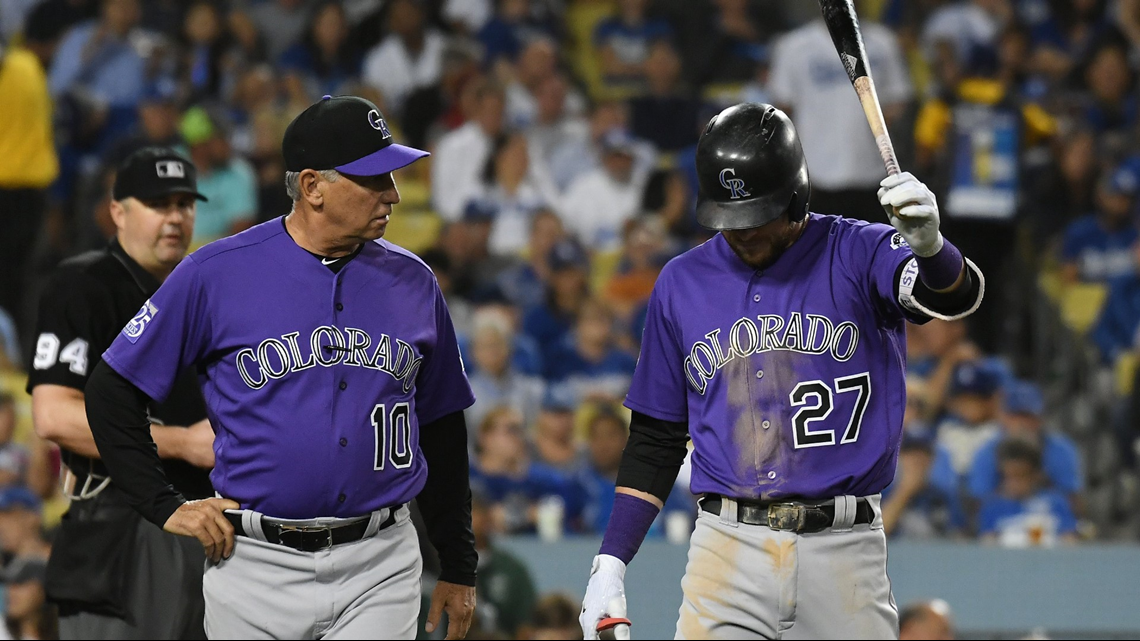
[[760, 247], [358, 207], [156, 232]]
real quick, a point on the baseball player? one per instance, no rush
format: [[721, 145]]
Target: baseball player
[[113, 575], [324, 352], [778, 348]]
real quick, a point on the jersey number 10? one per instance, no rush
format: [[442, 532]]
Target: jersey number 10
[[810, 412], [393, 436]]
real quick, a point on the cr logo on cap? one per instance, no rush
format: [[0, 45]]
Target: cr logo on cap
[[378, 123], [734, 185], [170, 169]]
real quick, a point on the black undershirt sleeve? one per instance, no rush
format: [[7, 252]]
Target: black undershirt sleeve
[[117, 413], [653, 455], [953, 302], [445, 501]]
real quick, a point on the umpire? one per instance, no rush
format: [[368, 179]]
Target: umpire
[[113, 574]]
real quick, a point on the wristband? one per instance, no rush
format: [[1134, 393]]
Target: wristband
[[941, 270], [629, 523]]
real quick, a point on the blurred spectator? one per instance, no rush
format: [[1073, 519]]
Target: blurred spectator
[[158, 120], [483, 267], [723, 39], [1022, 416], [409, 58], [204, 49], [505, 587], [14, 457], [21, 524], [553, 128], [468, 16], [971, 412], [460, 155], [934, 351], [623, 42], [524, 283], [598, 203], [437, 108], [922, 502], [1067, 35], [968, 26], [12, 15], [1109, 81], [1118, 328], [577, 152], [228, 181], [1022, 513], [509, 191], [1065, 188], [508, 30], [100, 59], [970, 140], [665, 115], [926, 620], [1100, 247], [589, 362], [27, 613], [494, 378], [28, 165], [809, 82], [325, 61], [566, 291], [515, 484], [555, 617], [280, 22], [440, 263], [642, 257], [553, 440], [537, 62]]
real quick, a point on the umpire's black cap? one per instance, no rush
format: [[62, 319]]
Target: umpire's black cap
[[345, 133], [153, 172]]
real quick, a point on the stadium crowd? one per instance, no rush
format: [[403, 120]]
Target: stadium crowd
[[562, 179]]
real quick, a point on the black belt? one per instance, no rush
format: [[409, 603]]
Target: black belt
[[792, 517], [311, 538]]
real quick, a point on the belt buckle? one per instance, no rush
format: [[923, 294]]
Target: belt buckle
[[787, 516], [294, 537]]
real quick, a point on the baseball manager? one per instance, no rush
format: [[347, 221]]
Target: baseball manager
[[333, 381]]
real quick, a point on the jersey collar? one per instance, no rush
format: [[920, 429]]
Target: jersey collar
[[144, 279]]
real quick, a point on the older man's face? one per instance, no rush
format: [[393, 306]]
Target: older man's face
[[360, 205]]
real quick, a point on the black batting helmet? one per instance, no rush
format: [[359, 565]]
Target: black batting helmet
[[751, 169]]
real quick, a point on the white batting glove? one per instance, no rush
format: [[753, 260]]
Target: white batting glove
[[913, 211], [605, 595]]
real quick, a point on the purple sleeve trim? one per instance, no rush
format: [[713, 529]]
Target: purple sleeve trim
[[629, 523], [941, 270]]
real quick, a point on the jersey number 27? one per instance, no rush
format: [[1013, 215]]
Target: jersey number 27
[[808, 391]]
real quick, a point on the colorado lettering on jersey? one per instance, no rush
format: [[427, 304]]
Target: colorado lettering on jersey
[[803, 333], [327, 346]]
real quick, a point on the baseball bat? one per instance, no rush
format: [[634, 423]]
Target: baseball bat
[[843, 25]]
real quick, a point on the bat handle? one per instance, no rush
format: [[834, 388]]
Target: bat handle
[[865, 88]]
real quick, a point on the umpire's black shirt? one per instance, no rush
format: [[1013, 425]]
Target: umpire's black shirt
[[87, 301]]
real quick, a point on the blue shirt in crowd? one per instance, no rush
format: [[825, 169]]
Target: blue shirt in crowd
[[1059, 459], [1101, 255], [1037, 520]]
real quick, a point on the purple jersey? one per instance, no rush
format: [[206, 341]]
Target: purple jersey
[[316, 382], [791, 379]]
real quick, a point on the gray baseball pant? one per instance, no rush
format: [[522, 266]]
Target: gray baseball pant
[[750, 582]]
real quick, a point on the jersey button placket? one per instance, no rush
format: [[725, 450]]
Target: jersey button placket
[[343, 442], [341, 498], [343, 386]]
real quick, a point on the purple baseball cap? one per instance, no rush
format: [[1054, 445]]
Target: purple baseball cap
[[345, 133]]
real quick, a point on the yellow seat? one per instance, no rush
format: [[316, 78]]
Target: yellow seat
[[581, 20], [603, 265], [1124, 370], [413, 229], [1080, 305]]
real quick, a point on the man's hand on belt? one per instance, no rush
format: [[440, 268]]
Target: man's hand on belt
[[206, 521]]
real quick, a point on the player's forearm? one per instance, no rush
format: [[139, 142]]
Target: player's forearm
[[445, 502], [116, 411], [59, 416]]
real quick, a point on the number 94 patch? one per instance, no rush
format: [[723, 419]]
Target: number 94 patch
[[137, 325]]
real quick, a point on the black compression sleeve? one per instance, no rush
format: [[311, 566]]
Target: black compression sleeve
[[653, 455], [445, 501], [116, 411]]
